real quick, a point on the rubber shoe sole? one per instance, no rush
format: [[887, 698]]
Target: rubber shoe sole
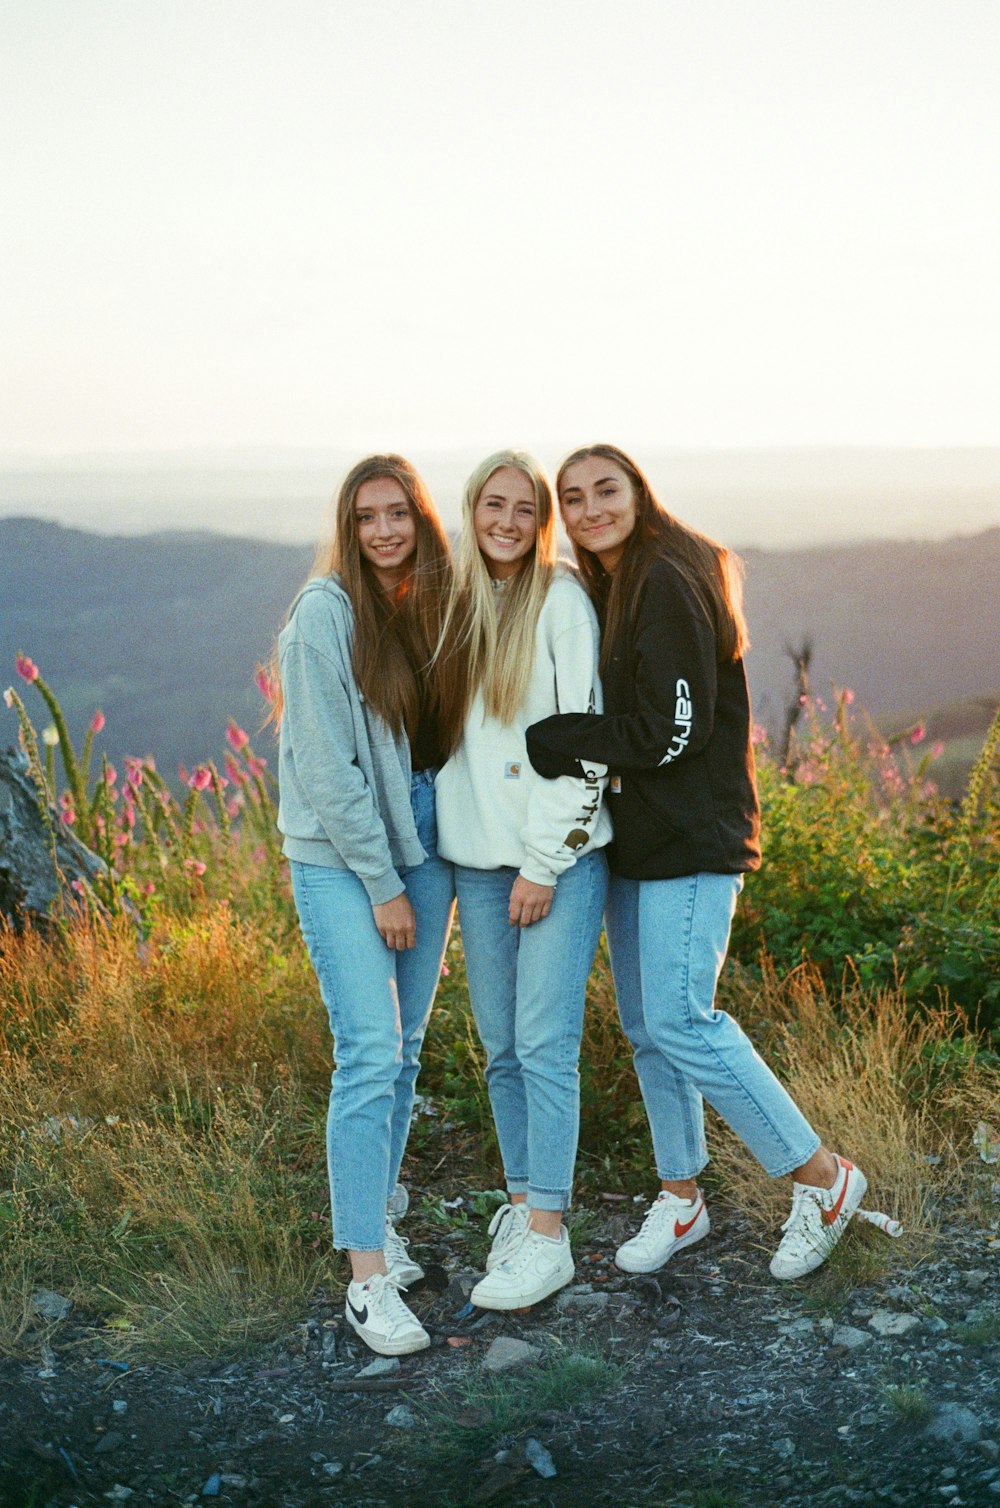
[[492, 1293]]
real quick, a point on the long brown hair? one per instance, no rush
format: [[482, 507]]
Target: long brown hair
[[394, 635], [714, 573], [479, 648]]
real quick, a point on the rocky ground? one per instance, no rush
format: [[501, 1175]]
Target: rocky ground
[[707, 1385]]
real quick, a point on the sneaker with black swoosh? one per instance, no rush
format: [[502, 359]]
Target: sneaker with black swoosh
[[375, 1311], [671, 1224]]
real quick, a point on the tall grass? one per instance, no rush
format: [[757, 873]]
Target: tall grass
[[163, 1085]]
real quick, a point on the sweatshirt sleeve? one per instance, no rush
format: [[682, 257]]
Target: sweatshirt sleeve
[[562, 813], [320, 726], [675, 693]]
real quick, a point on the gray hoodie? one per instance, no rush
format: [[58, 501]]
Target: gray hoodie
[[344, 780]]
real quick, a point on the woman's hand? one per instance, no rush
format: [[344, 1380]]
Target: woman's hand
[[529, 902], [396, 922]]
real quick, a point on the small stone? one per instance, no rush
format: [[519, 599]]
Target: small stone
[[849, 1337], [109, 1442], [49, 1304], [329, 1346], [954, 1422], [120, 1406], [382, 1366], [785, 1446], [976, 1279], [213, 1486], [401, 1417], [935, 1324], [507, 1352], [800, 1327], [332, 1468], [885, 1322], [539, 1458], [988, 1448], [118, 1494], [582, 1303], [233, 1479]]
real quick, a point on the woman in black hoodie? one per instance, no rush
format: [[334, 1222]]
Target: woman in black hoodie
[[675, 736]]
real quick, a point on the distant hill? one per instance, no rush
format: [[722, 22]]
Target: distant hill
[[163, 631]]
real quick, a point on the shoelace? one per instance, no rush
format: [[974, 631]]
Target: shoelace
[[494, 1224], [800, 1200], [658, 1210], [392, 1304], [395, 1242]]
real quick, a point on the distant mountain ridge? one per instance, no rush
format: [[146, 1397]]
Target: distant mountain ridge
[[163, 631]]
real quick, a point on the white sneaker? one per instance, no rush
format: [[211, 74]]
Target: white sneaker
[[398, 1260], [533, 1267], [377, 1313], [670, 1225], [505, 1228], [818, 1220]]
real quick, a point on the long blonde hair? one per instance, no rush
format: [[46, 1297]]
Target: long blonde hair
[[394, 636], [480, 648], [713, 572]]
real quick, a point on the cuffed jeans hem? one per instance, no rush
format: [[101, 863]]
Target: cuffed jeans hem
[[357, 1246], [683, 1177], [797, 1162], [545, 1199], [516, 1185]]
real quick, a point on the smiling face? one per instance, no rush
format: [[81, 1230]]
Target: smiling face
[[598, 508], [505, 520], [387, 529]]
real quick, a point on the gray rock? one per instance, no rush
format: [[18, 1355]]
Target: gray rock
[[329, 1346], [108, 1442], [850, 1337], [954, 1422], [575, 1302], [989, 1448], [798, 1329], [332, 1468], [935, 1324], [401, 1417], [885, 1322], [382, 1366], [49, 1304], [507, 1352], [785, 1446], [29, 882], [538, 1458], [976, 1279], [120, 1406]]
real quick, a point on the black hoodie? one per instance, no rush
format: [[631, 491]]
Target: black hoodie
[[675, 735]]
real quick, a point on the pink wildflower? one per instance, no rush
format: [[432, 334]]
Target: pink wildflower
[[848, 697], [110, 774], [758, 734], [196, 866], [234, 771], [234, 806], [121, 839], [148, 888], [445, 970], [78, 886], [255, 765], [67, 816], [919, 734], [26, 669], [129, 815], [236, 738], [937, 749], [200, 778], [182, 773], [265, 684], [97, 721]]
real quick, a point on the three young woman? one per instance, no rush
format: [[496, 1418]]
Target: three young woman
[[359, 748], [521, 643], [386, 673], [675, 735]]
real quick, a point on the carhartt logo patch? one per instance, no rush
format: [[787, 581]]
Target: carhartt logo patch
[[512, 770]]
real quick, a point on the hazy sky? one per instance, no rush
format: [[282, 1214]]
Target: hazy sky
[[446, 222]]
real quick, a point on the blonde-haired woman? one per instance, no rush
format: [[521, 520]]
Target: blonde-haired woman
[[531, 877], [359, 749]]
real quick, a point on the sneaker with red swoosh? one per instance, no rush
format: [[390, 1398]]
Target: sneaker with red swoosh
[[818, 1220], [670, 1225]]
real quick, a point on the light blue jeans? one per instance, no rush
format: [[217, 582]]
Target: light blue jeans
[[667, 940], [379, 1001], [527, 987]]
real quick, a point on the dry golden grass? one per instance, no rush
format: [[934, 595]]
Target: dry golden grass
[[162, 1111], [883, 1086]]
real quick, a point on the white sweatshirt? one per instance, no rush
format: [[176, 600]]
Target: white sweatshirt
[[493, 811]]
